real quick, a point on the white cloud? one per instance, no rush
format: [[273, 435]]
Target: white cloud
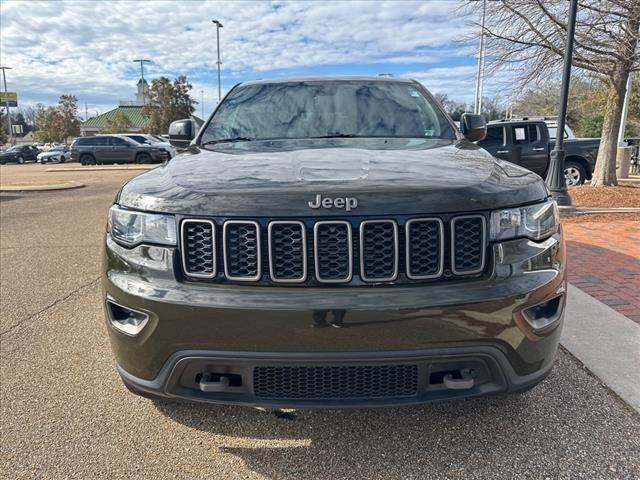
[[86, 47]]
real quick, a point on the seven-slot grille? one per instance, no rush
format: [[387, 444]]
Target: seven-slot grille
[[333, 251], [326, 382]]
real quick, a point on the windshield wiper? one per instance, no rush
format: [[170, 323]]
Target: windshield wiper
[[225, 140], [338, 135]]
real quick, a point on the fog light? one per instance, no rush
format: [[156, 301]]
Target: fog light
[[126, 320], [544, 315]]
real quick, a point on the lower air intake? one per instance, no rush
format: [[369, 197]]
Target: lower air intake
[[335, 382]]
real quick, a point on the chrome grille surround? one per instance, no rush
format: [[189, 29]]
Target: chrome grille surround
[[272, 261], [185, 246], [316, 251], [359, 250], [455, 253], [409, 245], [363, 239], [225, 250]]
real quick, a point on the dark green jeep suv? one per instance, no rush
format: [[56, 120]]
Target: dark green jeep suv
[[333, 242]]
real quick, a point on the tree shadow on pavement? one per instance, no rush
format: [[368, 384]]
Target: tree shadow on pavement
[[529, 435]]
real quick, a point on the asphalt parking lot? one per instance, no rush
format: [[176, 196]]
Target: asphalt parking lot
[[65, 413]]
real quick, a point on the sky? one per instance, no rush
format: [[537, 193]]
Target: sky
[[87, 48]]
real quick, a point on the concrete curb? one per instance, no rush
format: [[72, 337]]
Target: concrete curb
[[606, 342], [41, 188], [586, 210], [97, 169], [579, 211]]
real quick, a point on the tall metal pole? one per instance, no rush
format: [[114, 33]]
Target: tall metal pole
[[625, 112], [218, 27], [555, 178], [477, 109], [6, 103]]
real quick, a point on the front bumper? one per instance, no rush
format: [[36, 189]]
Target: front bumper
[[457, 327], [160, 156]]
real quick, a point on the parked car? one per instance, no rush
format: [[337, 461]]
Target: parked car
[[151, 140], [333, 242], [101, 149], [527, 143], [57, 153], [19, 154]]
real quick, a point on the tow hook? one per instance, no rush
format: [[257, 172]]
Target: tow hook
[[209, 385], [464, 383]]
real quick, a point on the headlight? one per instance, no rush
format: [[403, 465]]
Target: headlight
[[536, 222], [132, 228]]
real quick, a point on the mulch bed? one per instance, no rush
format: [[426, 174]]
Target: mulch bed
[[605, 197]]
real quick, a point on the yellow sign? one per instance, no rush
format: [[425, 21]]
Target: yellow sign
[[11, 97]]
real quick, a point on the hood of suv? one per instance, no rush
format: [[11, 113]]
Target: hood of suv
[[439, 177]]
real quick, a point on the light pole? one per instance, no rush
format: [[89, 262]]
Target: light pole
[[555, 178], [6, 102], [142, 62], [218, 27], [479, 79]]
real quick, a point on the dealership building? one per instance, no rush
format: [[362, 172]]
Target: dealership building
[[132, 109]]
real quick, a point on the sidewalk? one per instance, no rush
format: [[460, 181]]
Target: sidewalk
[[602, 320], [604, 261]]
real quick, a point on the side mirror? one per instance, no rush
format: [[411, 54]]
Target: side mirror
[[181, 132], [474, 127]]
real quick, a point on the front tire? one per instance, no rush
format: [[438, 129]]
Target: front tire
[[143, 158], [574, 173], [20, 160]]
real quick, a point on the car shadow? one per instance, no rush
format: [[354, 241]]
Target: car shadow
[[455, 438], [8, 198]]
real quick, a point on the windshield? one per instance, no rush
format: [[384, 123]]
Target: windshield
[[327, 109], [15, 148]]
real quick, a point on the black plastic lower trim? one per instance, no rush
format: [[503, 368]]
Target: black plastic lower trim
[[180, 377]]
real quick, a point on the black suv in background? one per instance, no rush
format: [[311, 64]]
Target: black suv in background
[[114, 149], [19, 154]]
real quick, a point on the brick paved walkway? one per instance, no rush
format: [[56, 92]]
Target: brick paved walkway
[[604, 261]]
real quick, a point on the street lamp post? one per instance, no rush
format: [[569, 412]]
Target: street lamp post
[[555, 178], [218, 27], [479, 78], [6, 102]]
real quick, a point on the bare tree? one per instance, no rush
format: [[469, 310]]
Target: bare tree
[[529, 37]]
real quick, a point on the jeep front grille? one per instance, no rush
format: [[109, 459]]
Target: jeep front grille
[[334, 251], [327, 382]]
